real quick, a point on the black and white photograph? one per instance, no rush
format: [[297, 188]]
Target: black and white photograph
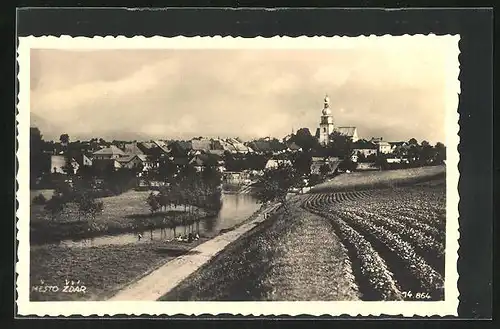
[[315, 170]]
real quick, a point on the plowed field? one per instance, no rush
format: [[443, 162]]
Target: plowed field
[[395, 238]]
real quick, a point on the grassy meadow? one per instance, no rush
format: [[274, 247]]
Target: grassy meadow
[[380, 179], [124, 213]]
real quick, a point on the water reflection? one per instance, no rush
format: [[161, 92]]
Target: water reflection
[[235, 209]]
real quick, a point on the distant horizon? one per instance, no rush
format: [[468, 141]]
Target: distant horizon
[[393, 88], [216, 137]]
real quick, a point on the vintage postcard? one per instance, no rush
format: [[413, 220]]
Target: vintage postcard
[[252, 176]]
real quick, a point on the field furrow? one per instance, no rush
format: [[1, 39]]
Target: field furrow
[[375, 280], [402, 231]]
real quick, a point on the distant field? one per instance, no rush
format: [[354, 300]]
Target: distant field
[[380, 179]]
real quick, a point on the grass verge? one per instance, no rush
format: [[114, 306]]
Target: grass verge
[[102, 270], [249, 268]]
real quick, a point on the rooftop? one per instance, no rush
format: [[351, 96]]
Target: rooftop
[[112, 150]]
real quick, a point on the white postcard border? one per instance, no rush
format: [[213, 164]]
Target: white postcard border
[[407, 308]]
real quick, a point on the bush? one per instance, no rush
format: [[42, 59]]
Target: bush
[[348, 164], [39, 199], [55, 205], [88, 206]]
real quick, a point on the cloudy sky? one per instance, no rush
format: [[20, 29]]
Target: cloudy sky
[[390, 88]]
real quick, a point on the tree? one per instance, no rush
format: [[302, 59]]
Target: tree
[[211, 177], [88, 206], [68, 165], [39, 162], [276, 184], [440, 153], [64, 139], [56, 204], [314, 179], [347, 164], [339, 146], [413, 141], [426, 153], [166, 169], [305, 140], [153, 203], [302, 163], [361, 157], [381, 162], [325, 169]]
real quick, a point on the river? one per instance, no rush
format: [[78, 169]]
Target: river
[[236, 208]]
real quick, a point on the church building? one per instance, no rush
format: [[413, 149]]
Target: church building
[[327, 126]]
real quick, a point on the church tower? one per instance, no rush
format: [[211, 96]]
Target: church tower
[[326, 126]]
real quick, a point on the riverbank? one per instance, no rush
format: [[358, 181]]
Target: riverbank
[[167, 277], [106, 269], [277, 260], [125, 213]]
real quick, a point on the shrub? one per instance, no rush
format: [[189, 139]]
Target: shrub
[[39, 199], [88, 206], [55, 205]]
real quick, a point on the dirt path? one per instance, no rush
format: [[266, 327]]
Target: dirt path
[[310, 263], [161, 281]]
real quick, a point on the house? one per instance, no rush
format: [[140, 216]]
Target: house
[[111, 152], [292, 147], [83, 160], [267, 146], [364, 149], [203, 160], [135, 161], [103, 165], [58, 164], [351, 132], [216, 152], [238, 146], [261, 146], [153, 150], [383, 146], [275, 163], [132, 149], [202, 145], [318, 162], [162, 146], [231, 145], [398, 147]]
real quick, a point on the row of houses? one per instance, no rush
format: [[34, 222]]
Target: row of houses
[[375, 146], [197, 152], [317, 163]]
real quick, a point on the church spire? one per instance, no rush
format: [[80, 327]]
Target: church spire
[[327, 101], [326, 107]]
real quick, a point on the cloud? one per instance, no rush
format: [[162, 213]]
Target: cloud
[[391, 88]]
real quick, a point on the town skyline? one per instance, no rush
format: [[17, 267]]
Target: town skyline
[[390, 89]]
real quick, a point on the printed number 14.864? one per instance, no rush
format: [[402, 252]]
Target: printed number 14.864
[[418, 295]]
